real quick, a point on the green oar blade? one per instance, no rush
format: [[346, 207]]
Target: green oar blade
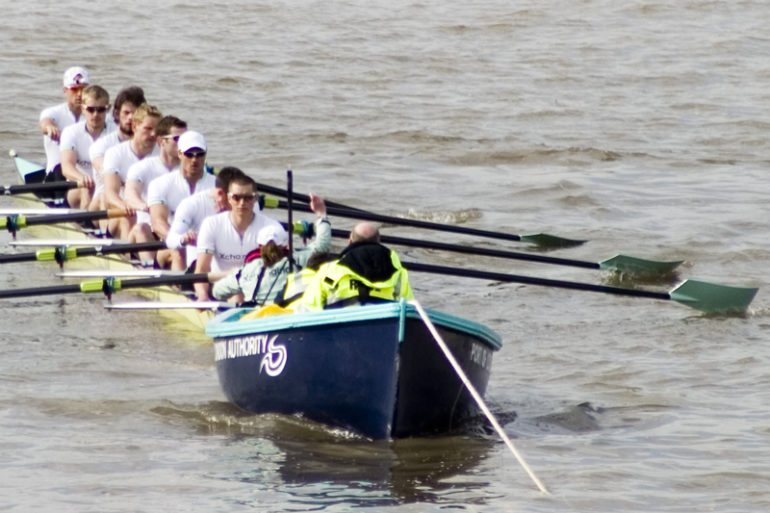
[[634, 265], [545, 240], [713, 298]]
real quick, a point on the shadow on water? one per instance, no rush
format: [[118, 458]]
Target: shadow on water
[[587, 418], [318, 465]]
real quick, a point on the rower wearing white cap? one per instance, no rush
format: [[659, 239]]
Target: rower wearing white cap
[[55, 119], [166, 192], [226, 238], [141, 174], [263, 279]]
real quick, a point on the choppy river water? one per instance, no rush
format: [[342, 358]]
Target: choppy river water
[[640, 126]]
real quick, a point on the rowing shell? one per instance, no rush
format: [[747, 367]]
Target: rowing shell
[[190, 318]]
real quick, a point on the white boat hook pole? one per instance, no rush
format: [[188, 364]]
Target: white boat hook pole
[[476, 396]]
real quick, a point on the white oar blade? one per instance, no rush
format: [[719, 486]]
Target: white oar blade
[[182, 305], [128, 273], [91, 243], [38, 211]]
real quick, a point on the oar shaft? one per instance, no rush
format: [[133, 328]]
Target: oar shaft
[[541, 239], [183, 279], [530, 280], [403, 221], [40, 291], [18, 257], [474, 250], [63, 253], [106, 285], [297, 196], [75, 218], [37, 187]]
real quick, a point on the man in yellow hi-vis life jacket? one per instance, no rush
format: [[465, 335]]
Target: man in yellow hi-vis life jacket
[[366, 272], [297, 282]]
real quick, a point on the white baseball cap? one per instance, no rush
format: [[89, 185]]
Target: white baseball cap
[[191, 139], [273, 233], [76, 76]]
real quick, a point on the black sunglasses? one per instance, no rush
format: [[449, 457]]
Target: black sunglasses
[[97, 109], [192, 154], [244, 197]]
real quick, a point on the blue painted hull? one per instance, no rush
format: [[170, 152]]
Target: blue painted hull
[[374, 370]]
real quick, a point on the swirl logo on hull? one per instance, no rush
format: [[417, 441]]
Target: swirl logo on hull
[[275, 359]]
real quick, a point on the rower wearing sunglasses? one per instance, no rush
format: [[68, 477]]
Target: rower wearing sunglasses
[[166, 192], [189, 215], [225, 239], [76, 141], [263, 277]]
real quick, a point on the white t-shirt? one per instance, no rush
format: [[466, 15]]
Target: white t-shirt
[[172, 188], [119, 158], [219, 237], [63, 117], [76, 138], [189, 215], [147, 170], [144, 172], [100, 147]]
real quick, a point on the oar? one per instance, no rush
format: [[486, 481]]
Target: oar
[[106, 285], [540, 239], [61, 254], [38, 211], [301, 197], [14, 223], [706, 297], [620, 263], [128, 273], [158, 305], [38, 187]]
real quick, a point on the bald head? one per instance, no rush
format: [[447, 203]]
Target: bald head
[[364, 232]]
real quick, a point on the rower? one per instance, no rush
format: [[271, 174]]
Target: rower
[[167, 192], [142, 173], [126, 103], [263, 278], [76, 141], [55, 119], [189, 215], [226, 238], [118, 159], [366, 272]]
